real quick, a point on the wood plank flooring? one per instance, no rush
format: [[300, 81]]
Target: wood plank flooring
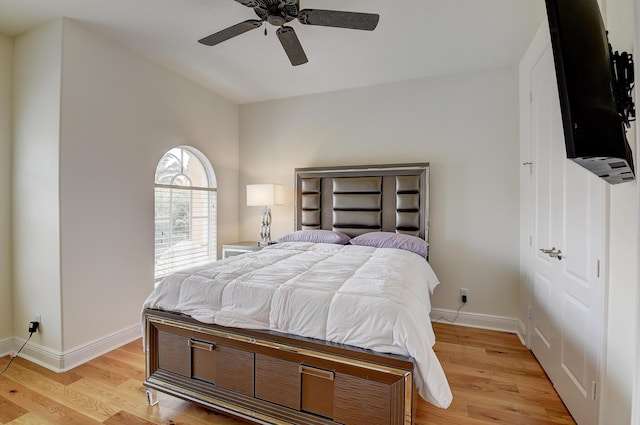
[[494, 379]]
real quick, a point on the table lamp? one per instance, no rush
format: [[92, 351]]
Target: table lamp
[[264, 195]]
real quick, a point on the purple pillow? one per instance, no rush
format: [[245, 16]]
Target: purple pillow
[[317, 236], [393, 240]]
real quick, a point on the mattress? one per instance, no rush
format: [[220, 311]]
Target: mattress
[[373, 298]]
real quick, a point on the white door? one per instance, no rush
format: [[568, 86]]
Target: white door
[[567, 294]]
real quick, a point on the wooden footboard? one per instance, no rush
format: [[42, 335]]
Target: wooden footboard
[[271, 378]]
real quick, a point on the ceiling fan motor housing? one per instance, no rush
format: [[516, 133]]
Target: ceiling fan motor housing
[[276, 12]]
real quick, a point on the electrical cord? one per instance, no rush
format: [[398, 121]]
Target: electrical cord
[[455, 318], [16, 355]]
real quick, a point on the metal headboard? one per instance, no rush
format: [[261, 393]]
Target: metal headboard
[[359, 199]]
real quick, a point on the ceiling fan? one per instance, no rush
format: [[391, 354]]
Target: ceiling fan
[[279, 12]]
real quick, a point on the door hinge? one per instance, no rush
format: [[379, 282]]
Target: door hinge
[[594, 385], [598, 268], [530, 97], [529, 312]]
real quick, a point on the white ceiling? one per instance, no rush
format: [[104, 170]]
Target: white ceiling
[[414, 39]]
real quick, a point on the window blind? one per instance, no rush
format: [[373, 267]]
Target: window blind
[[185, 227]]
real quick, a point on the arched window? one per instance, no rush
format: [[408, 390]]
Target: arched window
[[185, 211]]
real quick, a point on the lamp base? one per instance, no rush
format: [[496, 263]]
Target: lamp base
[[265, 227]]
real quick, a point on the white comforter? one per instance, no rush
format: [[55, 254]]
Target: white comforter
[[375, 298]]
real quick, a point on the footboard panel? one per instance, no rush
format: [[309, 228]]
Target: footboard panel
[[271, 378]]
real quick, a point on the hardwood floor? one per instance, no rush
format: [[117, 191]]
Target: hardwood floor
[[494, 379]]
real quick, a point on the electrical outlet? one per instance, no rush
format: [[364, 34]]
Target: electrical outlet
[[34, 326], [464, 295]]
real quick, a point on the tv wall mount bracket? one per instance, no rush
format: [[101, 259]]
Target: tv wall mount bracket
[[622, 84]]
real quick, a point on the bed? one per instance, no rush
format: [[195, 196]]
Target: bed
[[329, 326]]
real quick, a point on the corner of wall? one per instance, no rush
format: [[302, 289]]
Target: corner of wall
[[620, 397], [34, 186], [6, 137]]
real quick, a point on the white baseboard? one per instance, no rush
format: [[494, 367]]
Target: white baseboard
[[476, 320], [6, 346], [62, 361], [522, 333]]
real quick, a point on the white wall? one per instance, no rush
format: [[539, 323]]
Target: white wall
[[623, 302], [116, 114], [6, 79], [635, 397], [120, 114], [465, 125], [36, 242]]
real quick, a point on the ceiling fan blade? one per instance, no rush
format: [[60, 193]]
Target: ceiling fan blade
[[339, 19], [291, 45], [230, 32]]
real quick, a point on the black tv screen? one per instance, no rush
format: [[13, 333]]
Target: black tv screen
[[593, 129]]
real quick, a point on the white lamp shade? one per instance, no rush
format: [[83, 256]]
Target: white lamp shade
[[260, 195]]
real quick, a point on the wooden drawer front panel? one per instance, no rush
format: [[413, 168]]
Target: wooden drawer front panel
[[173, 353], [359, 401], [317, 391], [278, 381], [234, 369], [202, 360]]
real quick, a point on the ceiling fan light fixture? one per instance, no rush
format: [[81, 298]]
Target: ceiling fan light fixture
[[276, 17]]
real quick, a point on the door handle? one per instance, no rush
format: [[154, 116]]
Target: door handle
[[553, 253]]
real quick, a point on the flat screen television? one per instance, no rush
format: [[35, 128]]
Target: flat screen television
[[593, 128]]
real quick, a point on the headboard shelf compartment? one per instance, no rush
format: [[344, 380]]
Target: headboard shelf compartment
[[360, 199]]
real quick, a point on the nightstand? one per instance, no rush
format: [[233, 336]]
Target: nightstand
[[237, 248]]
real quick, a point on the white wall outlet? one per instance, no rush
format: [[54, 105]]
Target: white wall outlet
[[38, 319], [464, 292]]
